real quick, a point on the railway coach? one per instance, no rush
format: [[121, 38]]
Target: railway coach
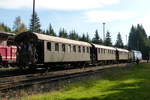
[[35, 48], [104, 54], [136, 55], [122, 55]]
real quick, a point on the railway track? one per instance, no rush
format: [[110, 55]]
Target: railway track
[[22, 80], [8, 84]]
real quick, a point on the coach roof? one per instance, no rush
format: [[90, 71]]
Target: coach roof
[[104, 47], [122, 50], [60, 40]]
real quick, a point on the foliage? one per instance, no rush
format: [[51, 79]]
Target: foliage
[[73, 35], [63, 33], [119, 42], [96, 38], [107, 41], [36, 22], [138, 40], [50, 31], [4, 28], [19, 26], [85, 38], [130, 83]]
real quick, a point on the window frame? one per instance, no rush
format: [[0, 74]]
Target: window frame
[[56, 46], [49, 46]]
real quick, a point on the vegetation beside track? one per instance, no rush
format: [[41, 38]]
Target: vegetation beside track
[[7, 69], [131, 83]]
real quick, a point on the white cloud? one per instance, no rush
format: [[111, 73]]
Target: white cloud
[[56, 4], [108, 16]]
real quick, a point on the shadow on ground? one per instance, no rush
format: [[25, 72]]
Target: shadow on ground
[[137, 86]]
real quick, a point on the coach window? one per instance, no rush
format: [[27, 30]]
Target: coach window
[[87, 50], [83, 49], [69, 48], [49, 46], [56, 47], [79, 48], [74, 48], [63, 48]]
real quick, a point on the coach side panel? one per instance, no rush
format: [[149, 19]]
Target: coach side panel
[[60, 52], [106, 54], [123, 55]]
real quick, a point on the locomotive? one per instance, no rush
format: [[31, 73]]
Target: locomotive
[[39, 49], [8, 54], [7, 49]]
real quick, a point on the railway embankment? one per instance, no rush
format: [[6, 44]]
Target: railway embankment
[[130, 83]]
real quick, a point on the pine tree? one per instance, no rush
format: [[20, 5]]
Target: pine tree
[[87, 38], [4, 28], [119, 42], [107, 41], [83, 38], [18, 26], [50, 31], [73, 35], [96, 38], [132, 39], [138, 40], [63, 33], [37, 25]]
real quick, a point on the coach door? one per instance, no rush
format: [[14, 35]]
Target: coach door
[[40, 52], [93, 53], [117, 55]]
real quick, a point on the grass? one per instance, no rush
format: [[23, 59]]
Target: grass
[[121, 84], [7, 68]]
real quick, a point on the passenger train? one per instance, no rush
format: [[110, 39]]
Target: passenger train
[[39, 49]]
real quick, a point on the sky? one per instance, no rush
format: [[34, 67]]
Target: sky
[[84, 16]]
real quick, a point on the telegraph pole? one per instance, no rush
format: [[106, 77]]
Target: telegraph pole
[[104, 31], [33, 15]]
